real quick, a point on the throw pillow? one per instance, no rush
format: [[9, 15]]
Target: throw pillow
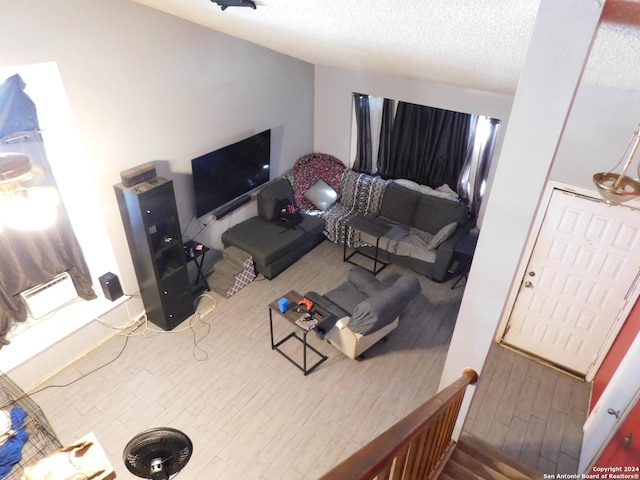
[[444, 233], [410, 184], [321, 194]]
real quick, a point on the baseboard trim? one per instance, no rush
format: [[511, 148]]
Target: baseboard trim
[[53, 353]]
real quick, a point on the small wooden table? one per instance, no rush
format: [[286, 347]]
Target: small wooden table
[[373, 227], [293, 317]]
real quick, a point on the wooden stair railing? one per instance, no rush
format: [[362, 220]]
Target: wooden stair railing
[[415, 448]]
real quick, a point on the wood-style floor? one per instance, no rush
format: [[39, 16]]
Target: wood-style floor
[[529, 411], [253, 415]]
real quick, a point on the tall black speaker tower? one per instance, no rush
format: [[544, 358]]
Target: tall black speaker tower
[[151, 223]]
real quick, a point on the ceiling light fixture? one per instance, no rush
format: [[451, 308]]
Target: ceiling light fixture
[[235, 3], [618, 188]]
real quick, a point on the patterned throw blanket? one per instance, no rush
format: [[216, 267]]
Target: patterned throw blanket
[[359, 193]]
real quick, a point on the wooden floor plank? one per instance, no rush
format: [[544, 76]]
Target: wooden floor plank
[[250, 413], [548, 411]]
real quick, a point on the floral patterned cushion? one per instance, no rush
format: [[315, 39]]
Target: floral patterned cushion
[[308, 169]]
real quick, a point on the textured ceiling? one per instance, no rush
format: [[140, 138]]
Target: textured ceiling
[[469, 43]]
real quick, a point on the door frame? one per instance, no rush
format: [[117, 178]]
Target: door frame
[[595, 440], [543, 205]]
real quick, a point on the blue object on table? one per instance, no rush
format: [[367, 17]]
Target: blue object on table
[[283, 303]]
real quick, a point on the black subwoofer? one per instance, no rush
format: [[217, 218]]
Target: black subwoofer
[[111, 286]]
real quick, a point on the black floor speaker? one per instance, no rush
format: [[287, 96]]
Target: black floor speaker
[[111, 286]]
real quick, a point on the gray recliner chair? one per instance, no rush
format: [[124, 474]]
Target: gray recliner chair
[[364, 309]]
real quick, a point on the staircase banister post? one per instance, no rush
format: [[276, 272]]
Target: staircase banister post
[[471, 374]]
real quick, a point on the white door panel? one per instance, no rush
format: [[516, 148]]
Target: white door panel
[[585, 259]]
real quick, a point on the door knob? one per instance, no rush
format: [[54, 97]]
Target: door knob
[[528, 284], [615, 413]]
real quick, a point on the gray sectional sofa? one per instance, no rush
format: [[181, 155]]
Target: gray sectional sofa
[[424, 230], [274, 247], [424, 227]]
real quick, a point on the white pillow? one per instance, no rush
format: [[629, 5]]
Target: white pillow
[[443, 191], [410, 184], [321, 194], [444, 233]]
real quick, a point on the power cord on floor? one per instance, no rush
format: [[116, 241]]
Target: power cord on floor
[[28, 395], [199, 354], [196, 343], [120, 328], [142, 321], [193, 321]]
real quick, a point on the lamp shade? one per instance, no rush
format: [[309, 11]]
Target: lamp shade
[[24, 208], [618, 188], [13, 165]]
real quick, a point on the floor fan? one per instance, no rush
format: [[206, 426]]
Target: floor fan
[[158, 453]]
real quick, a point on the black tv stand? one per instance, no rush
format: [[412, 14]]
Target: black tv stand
[[226, 209]]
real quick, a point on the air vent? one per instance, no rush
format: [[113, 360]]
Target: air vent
[[50, 296]]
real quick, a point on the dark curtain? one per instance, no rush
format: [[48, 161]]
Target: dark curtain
[[386, 127], [32, 257], [428, 145], [364, 156]]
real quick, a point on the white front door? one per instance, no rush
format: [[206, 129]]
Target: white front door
[[583, 265]]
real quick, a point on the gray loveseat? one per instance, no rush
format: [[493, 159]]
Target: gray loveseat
[[274, 247], [364, 310]]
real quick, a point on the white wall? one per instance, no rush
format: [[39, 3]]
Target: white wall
[[333, 107], [596, 135], [593, 138], [144, 86], [333, 89], [549, 80]]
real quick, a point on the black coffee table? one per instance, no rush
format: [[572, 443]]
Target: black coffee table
[[294, 318]]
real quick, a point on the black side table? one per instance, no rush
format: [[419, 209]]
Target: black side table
[[373, 227], [294, 318], [464, 250], [195, 252]]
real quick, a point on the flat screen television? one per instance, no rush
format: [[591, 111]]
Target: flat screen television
[[224, 175]]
